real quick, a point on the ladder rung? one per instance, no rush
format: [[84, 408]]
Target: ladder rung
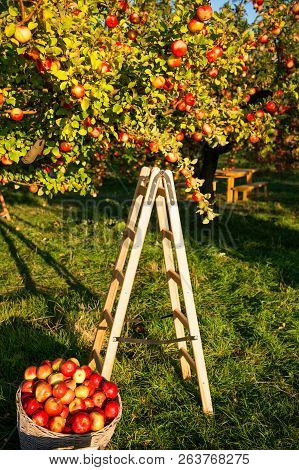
[[108, 318], [119, 275], [167, 234], [183, 352], [174, 275], [161, 192], [178, 314], [142, 190], [153, 341], [129, 233]]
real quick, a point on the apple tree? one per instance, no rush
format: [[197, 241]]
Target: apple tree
[[88, 86]]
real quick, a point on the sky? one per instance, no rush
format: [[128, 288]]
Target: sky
[[216, 4]]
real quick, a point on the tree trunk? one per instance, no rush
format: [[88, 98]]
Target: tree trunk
[[207, 168]]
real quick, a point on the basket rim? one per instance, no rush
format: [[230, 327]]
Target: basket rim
[[113, 423]]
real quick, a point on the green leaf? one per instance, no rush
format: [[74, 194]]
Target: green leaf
[[10, 30], [61, 75], [85, 103], [32, 25]]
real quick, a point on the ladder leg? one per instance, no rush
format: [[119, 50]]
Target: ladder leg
[[95, 360], [189, 299], [126, 290], [173, 288]]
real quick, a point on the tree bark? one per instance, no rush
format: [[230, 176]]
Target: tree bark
[[206, 168]]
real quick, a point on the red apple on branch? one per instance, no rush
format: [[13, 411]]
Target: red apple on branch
[[17, 114], [111, 21], [204, 12], [179, 48], [78, 91]]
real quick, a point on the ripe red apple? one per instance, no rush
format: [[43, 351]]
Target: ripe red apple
[[97, 419], [22, 34], [195, 26], [79, 376], [17, 114], [43, 391], [31, 405], [110, 389], [99, 398], [82, 391], [77, 405], [271, 107], [135, 18], [180, 136], [123, 137], [181, 106], [96, 379], [56, 378], [290, 63], [65, 146], [89, 403], [111, 21], [95, 132], [65, 412], [68, 368], [264, 38], [158, 82], [81, 423], [44, 65], [204, 12], [206, 129], [197, 196], [43, 371], [2, 99], [59, 390], [111, 409], [6, 161], [57, 424], [57, 363], [254, 139], [213, 72], [30, 373], [75, 360], [91, 386], [179, 48], [33, 188], [40, 418], [174, 61], [132, 34], [78, 91], [190, 99], [172, 157], [53, 406], [27, 386], [213, 54], [68, 397], [250, 117], [88, 371], [259, 113], [197, 136], [154, 147]]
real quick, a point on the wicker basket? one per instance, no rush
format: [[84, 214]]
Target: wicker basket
[[36, 437]]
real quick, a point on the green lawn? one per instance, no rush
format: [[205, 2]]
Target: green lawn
[[55, 270]]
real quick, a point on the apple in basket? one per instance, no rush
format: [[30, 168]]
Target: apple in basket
[[65, 397], [111, 409]]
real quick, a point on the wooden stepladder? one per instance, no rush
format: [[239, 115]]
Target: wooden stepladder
[[155, 187], [4, 211]]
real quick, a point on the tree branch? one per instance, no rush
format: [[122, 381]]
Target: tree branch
[[22, 10], [25, 19]]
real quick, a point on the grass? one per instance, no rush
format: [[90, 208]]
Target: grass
[[56, 262]]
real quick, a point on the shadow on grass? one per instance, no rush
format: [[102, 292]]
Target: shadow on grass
[[8, 231]]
